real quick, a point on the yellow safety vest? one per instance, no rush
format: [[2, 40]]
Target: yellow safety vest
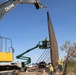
[[51, 68], [60, 62]]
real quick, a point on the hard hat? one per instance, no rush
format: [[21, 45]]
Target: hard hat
[[59, 58], [50, 64]]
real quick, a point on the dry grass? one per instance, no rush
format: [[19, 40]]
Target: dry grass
[[71, 66]]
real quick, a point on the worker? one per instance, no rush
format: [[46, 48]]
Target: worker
[[45, 43], [46, 39], [51, 69], [60, 64]]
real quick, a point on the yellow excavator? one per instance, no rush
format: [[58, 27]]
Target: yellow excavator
[[5, 7]]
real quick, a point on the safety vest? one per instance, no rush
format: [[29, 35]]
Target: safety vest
[[60, 62], [51, 68]]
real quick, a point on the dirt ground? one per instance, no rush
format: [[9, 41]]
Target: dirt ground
[[32, 73]]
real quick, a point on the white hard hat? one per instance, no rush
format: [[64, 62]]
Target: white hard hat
[[50, 64], [59, 58]]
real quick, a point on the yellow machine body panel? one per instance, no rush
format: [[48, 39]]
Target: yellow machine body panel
[[6, 57]]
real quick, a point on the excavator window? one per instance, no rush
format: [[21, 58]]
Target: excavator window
[[6, 49]]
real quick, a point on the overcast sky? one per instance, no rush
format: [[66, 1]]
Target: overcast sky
[[26, 25]]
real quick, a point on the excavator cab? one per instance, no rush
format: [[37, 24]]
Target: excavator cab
[[6, 49]]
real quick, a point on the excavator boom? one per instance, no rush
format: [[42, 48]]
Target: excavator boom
[[7, 5]]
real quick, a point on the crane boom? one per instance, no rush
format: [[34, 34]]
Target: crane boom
[[20, 55], [28, 59], [42, 45], [7, 5]]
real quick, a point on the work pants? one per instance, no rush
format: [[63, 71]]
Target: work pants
[[51, 73], [60, 67]]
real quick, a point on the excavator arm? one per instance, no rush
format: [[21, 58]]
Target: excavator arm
[[7, 5]]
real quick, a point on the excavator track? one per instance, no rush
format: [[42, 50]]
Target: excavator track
[[9, 67]]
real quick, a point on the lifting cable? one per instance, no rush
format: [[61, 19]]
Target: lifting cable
[[43, 55], [47, 54], [40, 56], [43, 58], [48, 58]]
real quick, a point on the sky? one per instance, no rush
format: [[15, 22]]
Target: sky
[[26, 25]]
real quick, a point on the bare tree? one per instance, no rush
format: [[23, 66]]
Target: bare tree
[[71, 53], [70, 49]]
